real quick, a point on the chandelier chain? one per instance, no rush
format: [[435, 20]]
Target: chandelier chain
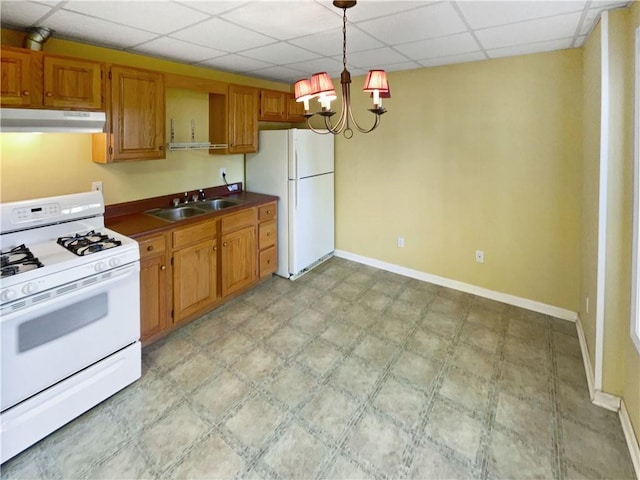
[[344, 38]]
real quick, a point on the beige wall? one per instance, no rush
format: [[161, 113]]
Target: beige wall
[[483, 155], [590, 186]]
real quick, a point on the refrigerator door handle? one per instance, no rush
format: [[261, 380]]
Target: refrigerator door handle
[[295, 186]]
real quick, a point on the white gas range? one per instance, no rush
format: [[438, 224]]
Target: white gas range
[[69, 314]]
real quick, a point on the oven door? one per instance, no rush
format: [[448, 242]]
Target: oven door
[[66, 329]]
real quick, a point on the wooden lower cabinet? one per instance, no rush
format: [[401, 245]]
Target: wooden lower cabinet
[[195, 271], [155, 285], [238, 260], [190, 270]]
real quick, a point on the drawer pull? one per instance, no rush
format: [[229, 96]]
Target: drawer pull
[[26, 93], [150, 248], [268, 262], [224, 244], [49, 94], [163, 267], [268, 234], [268, 212]]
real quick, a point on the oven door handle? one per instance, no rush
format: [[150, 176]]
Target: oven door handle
[[68, 293]]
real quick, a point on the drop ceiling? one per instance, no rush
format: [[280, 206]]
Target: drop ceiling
[[288, 40]]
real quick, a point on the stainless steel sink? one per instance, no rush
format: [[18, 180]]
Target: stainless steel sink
[[176, 213], [173, 214], [217, 204]]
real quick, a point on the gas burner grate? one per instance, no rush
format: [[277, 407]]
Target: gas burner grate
[[88, 243], [17, 260]]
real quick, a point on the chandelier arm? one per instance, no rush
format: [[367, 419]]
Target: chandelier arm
[[315, 130]]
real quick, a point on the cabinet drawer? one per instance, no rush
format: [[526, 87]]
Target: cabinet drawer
[[152, 246], [196, 233], [268, 261], [238, 220], [266, 212], [266, 234]]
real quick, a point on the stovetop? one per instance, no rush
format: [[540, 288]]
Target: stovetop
[[17, 260], [87, 243]]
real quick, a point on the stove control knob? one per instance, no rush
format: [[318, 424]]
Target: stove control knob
[[99, 267], [7, 295], [29, 288], [114, 262]]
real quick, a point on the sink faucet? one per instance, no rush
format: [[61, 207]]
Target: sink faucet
[[201, 191], [186, 197], [175, 202]]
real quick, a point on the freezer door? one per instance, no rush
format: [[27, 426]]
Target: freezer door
[[309, 154], [311, 221]]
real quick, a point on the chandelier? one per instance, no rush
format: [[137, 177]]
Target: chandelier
[[321, 88]]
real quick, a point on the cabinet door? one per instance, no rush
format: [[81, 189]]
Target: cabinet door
[[273, 106], [137, 114], [295, 110], [153, 296], [194, 279], [238, 259], [243, 119], [17, 72], [70, 83]]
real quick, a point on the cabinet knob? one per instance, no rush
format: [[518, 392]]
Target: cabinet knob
[[163, 267], [161, 147], [149, 248], [215, 248], [26, 93], [268, 262], [224, 244], [268, 212], [48, 94], [268, 234]]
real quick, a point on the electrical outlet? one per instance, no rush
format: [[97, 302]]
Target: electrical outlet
[[400, 242], [223, 172], [96, 186], [480, 256]]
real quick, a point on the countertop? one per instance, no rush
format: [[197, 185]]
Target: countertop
[[129, 218]]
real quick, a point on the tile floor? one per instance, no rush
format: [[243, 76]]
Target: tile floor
[[348, 372]]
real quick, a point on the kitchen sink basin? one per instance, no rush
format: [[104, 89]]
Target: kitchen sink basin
[[217, 204], [176, 213]]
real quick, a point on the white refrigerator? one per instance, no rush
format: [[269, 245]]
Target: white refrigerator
[[297, 166]]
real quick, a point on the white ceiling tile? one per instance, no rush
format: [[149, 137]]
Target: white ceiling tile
[[21, 13], [278, 73], [493, 13], [280, 53], [369, 9], [212, 7], [610, 3], [329, 43], [451, 59], [530, 48], [333, 67], [396, 67], [439, 47], [373, 58], [177, 50], [284, 20], [153, 16], [432, 21], [235, 63], [561, 26], [79, 27], [222, 35]]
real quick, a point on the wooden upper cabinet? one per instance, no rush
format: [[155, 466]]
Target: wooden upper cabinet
[[273, 106], [18, 72], [243, 119], [71, 83], [295, 110], [136, 130]]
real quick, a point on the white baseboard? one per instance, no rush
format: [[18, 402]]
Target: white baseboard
[[630, 437], [598, 397], [463, 287]]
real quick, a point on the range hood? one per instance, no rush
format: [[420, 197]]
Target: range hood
[[28, 120]]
